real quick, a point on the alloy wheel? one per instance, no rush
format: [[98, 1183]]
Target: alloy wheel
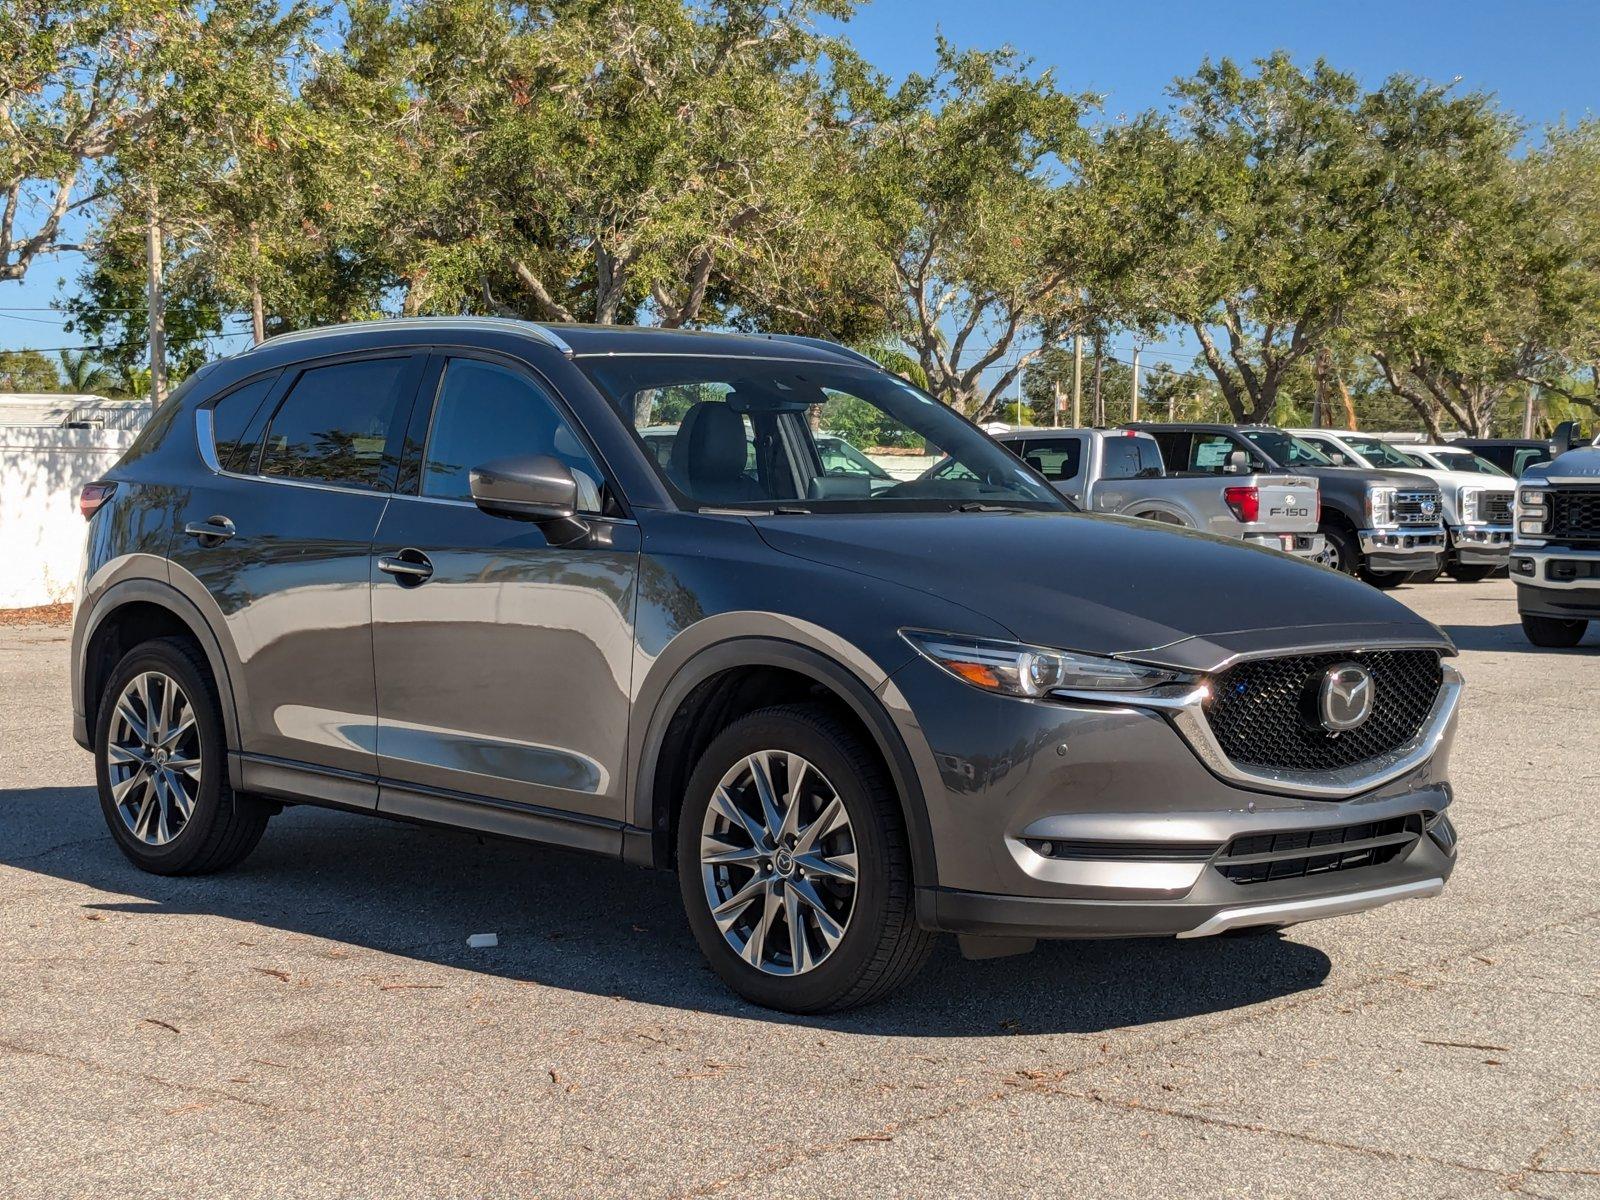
[[778, 861], [153, 758]]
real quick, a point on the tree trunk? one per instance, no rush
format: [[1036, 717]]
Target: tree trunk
[[1133, 400], [1077, 381], [155, 300], [1319, 406], [1099, 399]]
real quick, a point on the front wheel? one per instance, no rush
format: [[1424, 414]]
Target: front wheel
[[1473, 574], [1554, 633], [794, 865], [1385, 580], [1341, 550]]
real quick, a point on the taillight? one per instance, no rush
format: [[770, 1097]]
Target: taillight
[[93, 496], [1245, 503]]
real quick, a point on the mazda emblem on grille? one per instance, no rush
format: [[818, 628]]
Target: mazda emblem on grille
[[1344, 700]]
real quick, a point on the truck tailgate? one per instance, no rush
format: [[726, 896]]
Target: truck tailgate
[[1287, 504]]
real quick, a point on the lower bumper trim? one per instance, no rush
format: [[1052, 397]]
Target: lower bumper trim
[[1289, 912]]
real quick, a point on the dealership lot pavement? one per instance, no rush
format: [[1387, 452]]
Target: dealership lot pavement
[[314, 1024]]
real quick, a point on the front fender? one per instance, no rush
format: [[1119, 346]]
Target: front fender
[[741, 639]]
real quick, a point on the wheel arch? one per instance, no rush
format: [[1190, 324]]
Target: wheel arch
[[136, 610], [778, 670]]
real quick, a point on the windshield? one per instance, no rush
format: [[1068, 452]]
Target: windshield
[[747, 433], [1287, 450], [1465, 460], [1381, 454]]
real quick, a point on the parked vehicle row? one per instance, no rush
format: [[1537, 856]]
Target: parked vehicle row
[[438, 570], [1556, 559]]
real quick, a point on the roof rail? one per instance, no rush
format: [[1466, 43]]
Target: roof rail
[[800, 339], [506, 324]]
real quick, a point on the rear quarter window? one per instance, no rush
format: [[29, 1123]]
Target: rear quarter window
[[236, 429]]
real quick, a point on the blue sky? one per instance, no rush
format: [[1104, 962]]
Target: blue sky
[[1538, 58]]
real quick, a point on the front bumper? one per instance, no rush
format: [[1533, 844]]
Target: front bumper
[[1066, 819], [1416, 549], [1553, 581], [1481, 545], [1301, 545]]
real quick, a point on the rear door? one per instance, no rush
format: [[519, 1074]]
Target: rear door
[[503, 671], [279, 536]]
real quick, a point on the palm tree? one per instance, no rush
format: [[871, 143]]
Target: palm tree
[[83, 374]]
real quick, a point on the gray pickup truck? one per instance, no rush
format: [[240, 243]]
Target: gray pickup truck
[[1122, 471], [1556, 558], [1384, 526]]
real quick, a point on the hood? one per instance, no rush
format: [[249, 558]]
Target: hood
[[1575, 466], [1109, 585], [1372, 475]]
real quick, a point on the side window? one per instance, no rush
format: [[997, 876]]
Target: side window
[[1057, 459], [1174, 447], [333, 426], [1210, 454], [485, 411], [1131, 458], [235, 430]]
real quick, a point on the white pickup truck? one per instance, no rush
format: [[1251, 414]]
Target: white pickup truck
[[1121, 471]]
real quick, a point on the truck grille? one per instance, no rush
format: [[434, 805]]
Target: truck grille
[[1262, 712], [1497, 507], [1416, 508], [1575, 514], [1264, 857]]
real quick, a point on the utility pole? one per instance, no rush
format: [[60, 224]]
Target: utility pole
[[1133, 404], [1099, 399], [1319, 405], [1018, 396], [155, 302], [1527, 411], [258, 310], [1055, 405], [1077, 381]]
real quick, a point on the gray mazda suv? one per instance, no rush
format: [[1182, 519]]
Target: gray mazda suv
[[430, 570]]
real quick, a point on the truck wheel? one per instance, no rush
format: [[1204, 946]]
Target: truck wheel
[[1427, 576], [1343, 552], [1554, 633], [794, 865], [1465, 574], [1385, 580]]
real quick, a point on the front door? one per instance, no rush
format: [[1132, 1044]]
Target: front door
[[279, 538], [503, 662]]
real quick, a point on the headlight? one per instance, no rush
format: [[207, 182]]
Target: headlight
[[1471, 499], [1380, 505], [1532, 511], [1013, 669]]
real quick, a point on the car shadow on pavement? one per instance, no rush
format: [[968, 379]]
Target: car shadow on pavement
[[1511, 639], [592, 925]]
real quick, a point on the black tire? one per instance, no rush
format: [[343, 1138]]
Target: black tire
[[1385, 580], [1344, 551], [1427, 576], [223, 826], [882, 948], [1462, 573], [1554, 633]]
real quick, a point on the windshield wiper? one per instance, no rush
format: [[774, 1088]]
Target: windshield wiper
[[980, 506]]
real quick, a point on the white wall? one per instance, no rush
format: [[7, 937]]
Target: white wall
[[41, 531]]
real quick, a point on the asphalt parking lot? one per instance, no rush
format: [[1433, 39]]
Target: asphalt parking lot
[[314, 1024]]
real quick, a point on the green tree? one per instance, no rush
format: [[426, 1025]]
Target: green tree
[[27, 371], [81, 373]]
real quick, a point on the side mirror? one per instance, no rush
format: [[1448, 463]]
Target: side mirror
[[1238, 462], [531, 487]]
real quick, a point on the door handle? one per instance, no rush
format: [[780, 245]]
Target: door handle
[[213, 531], [410, 567]]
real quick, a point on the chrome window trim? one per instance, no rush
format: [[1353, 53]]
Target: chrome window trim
[[1184, 709], [205, 433]]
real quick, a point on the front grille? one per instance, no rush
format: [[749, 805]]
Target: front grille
[[1416, 508], [1263, 712], [1497, 507], [1265, 857], [1575, 514]]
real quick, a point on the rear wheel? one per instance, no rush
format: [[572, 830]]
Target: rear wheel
[[1465, 574], [1554, 633], [161, 764], [794, 865], [1385, 580]]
